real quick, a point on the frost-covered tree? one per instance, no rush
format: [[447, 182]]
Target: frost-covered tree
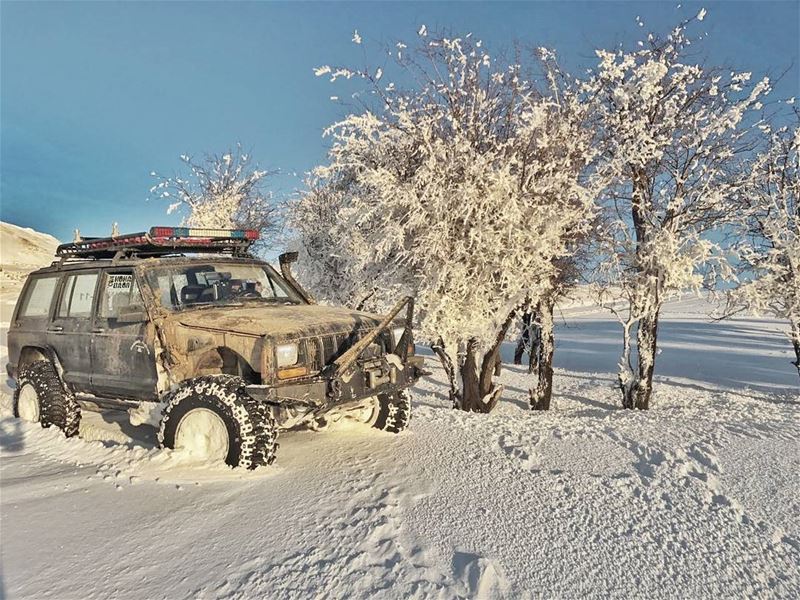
[[568, 177], [327, 262], [459, 189], [223, 191], [671, 130], [769, 224]]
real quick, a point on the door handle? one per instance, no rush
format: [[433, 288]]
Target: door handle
[[98, 330], [55, 328]]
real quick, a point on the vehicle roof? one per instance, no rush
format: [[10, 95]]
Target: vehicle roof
[[59, 266]]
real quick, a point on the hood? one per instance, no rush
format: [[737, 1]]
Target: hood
[[279, 321]]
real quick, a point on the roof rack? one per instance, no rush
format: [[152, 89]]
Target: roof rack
[[160, 241]]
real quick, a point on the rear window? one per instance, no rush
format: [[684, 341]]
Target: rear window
[[38, 297], [78, 296]]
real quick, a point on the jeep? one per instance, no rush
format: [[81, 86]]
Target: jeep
[[186, 330]]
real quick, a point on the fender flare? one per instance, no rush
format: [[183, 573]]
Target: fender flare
[[31, 353]]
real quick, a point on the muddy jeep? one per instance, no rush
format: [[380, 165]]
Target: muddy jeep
[[185, 330]]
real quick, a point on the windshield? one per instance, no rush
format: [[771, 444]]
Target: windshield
[[182, 286]]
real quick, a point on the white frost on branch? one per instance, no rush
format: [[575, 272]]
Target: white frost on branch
[[769, 226], [461, 192], [672, 132], [221, 191]]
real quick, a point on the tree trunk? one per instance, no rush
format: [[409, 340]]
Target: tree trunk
[[524, 343], [637, 389], [479, 392], [449, 370], [536, 344], [529, 341], [541, 396], [646, 344], [470, 384], [795, 321], [626, 378]]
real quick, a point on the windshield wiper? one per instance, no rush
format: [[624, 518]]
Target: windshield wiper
[[270, 300]]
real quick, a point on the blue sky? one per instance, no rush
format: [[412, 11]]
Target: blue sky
[[95, 96]]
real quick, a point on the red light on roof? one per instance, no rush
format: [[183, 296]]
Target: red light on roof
[[162, 231], [184, 233]]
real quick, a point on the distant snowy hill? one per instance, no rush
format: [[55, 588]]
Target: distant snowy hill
[[23, 250]]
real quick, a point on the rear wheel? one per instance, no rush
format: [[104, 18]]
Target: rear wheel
[[41, 397], [214, 419], [28, 408], [392, 412]]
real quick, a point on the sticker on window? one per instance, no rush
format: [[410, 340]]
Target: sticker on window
[[120, 282]]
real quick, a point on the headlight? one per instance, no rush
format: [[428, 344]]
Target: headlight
[[397, 333], [287, 354]]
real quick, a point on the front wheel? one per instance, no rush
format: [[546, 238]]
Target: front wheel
[[392, 412], [214, 419]]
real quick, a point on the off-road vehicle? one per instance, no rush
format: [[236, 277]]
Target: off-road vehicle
[[184, 328]]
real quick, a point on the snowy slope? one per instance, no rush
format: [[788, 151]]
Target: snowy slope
[[698, 497], [23, 249]]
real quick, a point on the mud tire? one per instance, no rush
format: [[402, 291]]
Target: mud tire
[[56, 406], [251, 428], [394, 412]]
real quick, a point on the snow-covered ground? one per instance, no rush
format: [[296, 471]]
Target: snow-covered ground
[[698, 497]]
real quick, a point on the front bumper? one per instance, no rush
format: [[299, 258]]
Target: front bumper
[[372, 377]]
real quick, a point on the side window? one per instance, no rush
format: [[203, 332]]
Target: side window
[[39, 297], [170, 287], [77, 297], [120, 295]]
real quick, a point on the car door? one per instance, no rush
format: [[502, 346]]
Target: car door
[[70, 331], [123, 359]]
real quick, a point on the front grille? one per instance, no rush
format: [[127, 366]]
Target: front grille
[[333, 346]]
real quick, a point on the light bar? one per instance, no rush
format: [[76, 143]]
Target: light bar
[[198, 232], [163, 240]]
